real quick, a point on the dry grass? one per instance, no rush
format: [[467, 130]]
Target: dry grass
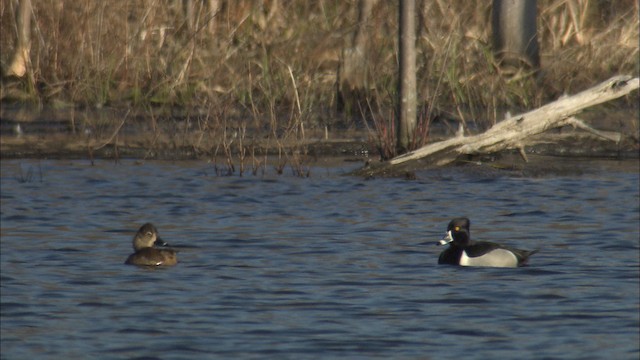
[[250, 65]]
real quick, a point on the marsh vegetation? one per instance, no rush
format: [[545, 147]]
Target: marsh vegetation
[[239, 77]]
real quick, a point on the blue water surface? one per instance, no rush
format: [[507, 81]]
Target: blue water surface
[[330, 266]]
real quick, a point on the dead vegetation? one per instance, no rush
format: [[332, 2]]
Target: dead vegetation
[[247, 75]]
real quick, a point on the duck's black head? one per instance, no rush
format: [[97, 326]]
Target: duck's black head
[[458, 232]]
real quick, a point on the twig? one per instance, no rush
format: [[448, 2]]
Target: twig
[[115, 133], [613, 136]]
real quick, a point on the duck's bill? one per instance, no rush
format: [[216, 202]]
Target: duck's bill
[[446, 239], [160, 242]]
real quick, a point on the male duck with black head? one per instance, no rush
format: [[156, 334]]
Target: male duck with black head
[[466, 252], [145, 252]]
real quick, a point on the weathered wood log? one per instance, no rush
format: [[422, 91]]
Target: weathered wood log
[[517, 131], [512, 133]]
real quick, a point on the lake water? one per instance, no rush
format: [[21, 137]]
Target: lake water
[[328, 266]]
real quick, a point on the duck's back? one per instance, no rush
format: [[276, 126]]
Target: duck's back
[[153, 257]]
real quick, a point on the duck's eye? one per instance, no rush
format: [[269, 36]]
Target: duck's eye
[[457, 228], [149, 233]]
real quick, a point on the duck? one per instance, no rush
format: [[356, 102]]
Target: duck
[[465, 252], [146, 254]]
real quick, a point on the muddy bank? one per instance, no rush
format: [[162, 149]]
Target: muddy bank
[[564, 154], [512, 164], [42, 136]]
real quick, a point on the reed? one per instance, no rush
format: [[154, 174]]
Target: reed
[[274, 68], [257, 166], [28, 176]]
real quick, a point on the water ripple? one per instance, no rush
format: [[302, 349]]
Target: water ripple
[[325, 267]]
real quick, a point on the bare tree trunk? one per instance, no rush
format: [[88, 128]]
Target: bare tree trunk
[[515, 38], [352, 75], [20, 60], [407, 82]]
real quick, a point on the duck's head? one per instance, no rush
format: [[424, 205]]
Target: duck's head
[[146, 237], [457, 232]]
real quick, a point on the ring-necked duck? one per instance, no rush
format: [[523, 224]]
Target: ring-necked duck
[[466, 252], [146, 254]]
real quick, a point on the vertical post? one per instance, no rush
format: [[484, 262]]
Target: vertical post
[[515, 36], [20, 60], [407, 81], [352, 75]]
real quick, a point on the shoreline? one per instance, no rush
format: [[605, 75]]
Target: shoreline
[[37, 134], [558, 158]]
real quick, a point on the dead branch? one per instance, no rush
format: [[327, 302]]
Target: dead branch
[[513, 132]]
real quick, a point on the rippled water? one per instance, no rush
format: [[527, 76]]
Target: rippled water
[[325, 267]]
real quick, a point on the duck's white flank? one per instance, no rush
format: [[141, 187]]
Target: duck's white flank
[[495, 258]]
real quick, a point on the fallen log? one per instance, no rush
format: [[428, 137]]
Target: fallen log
[[514, 132]]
